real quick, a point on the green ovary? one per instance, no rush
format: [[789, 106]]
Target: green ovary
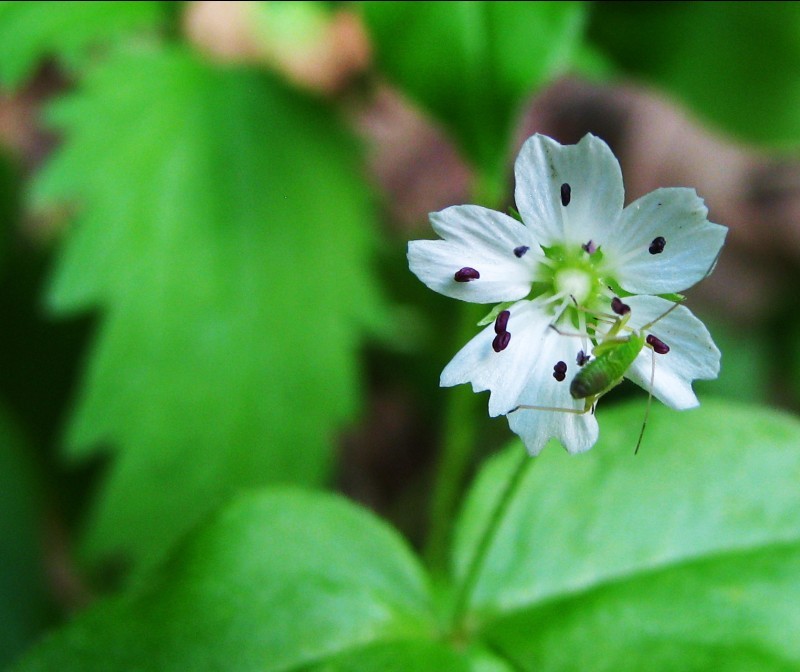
[[575, 273], [574, 282]]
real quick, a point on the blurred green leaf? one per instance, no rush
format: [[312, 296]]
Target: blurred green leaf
[[787, 360], [404, 656], [746, 363], [33, 31], [736, 63], [278, 581], [472, 63], [225, 233], [24, 605], [685, 555]]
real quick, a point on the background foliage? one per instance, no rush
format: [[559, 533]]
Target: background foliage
[[211, 339]]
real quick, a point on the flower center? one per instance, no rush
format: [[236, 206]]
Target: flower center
[[574, 282]]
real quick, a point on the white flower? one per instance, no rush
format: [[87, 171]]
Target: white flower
[[576, 255]]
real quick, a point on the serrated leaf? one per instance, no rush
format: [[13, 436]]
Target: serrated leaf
[[735, 63], [280, 580], [684, 554], [33, 31], [225, 233], [472, 63]]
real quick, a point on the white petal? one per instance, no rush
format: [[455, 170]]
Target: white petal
[[504, 373], [481, 239], [576, 433], [596, 193], [692, 242], [692, 353]]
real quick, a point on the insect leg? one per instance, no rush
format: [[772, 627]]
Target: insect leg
[[660, 317], [589, 406]]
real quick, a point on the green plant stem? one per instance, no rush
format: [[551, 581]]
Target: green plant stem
[[461, 601], [459, 434], [459, 429]]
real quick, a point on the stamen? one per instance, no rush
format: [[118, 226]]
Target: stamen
[[521, 250], [582, 330], [582, 358], [659, 347], [466, 274], [589, 247], [559, 311], [658, 245], [501, 322], [501, 341], [560, 371], [619, 307], [566, 194]]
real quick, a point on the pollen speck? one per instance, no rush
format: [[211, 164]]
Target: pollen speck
[[659, 347], [501, 322], [566, 194], [520, 251], [501, 341], [466, 274], [619, 307], [658, 245]]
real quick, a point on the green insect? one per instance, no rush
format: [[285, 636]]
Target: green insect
[[613, 356]]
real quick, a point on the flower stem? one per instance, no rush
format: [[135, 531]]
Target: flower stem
[[461, 601], [459, 432]]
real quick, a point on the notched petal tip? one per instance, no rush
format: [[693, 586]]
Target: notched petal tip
[[568, 194], [664, 242]]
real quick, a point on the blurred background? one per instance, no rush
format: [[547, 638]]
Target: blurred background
[[205, 208]]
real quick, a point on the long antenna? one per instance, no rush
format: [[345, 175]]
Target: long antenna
[[649, 399]]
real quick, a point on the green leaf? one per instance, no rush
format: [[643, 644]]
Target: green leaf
[[747, 364], [471, 64], [411, 656], [24, 605], [33, 31], [279, 581], [225, 234], [736, 63], [685, 554]]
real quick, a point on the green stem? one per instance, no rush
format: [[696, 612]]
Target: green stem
[[474, 570], [459, 430]]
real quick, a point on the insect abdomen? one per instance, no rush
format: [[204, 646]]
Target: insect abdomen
[[591, 379], [606, 370]]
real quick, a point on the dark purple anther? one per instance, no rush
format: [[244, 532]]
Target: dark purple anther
[[659, 347], [582, 358], [466, 274], [501, 341], [618, 307], [566, 194], [589, 247], [560, 371], [658, 245], [501, 322], [519, 251]]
